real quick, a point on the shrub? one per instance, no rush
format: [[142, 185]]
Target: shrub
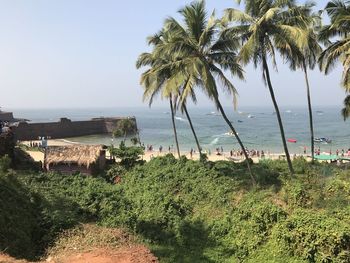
[[315, 236], [5, 163]]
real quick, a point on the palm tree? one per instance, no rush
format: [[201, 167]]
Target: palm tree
[[124, 127], [304, 57], [161, 62], [154, 83], [339, 50], [264, 26], [182, 104], [346, 110], [202, 55]]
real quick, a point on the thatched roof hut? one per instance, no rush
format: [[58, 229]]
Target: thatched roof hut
[[75, 156]]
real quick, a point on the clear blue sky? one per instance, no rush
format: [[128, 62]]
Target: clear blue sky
[[82, 53]]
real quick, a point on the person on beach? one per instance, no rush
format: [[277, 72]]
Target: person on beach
[[304, 149], [337, 152], [160, 149], [191, 153], [342, 152]]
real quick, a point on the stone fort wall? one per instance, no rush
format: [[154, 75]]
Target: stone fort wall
[[67, 128]]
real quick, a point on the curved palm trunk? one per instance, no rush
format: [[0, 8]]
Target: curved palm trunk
[[124, 140], [267, 74], [138, 137], [238, 139], [193, 131], [174, 126], [310, 111]]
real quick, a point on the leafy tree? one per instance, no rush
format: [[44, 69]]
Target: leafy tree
[[134, 140], [129, 156], [124, 126], [264, 26]]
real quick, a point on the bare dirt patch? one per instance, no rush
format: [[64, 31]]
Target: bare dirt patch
[[94, 244]]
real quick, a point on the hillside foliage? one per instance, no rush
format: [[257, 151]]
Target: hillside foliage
[[189, 211]]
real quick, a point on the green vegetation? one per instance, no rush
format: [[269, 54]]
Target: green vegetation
[[125, 127], [189, 211], [198, 51], [128, 156]]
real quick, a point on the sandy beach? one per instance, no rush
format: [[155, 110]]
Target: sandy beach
[[148, 155]]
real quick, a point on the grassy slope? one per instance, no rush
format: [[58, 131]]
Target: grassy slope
[[192, 212]]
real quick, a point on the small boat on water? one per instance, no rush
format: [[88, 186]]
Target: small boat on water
[[250, 116], [319, 112], [322, 140], [240, 121], [230, 133], [213, 113], [292, 140]]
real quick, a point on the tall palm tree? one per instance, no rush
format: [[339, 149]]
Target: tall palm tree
[[346, 110], [183, 108], [154, 83], [150, 77], [264, 26], [202, 55], [339, 50], [305, 56]]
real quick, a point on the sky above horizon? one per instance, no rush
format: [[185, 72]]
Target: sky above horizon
[[82, 53]]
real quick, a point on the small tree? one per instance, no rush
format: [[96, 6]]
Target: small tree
[[129, 156], [124, 127]]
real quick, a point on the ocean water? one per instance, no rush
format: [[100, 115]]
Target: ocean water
[[259, 132]]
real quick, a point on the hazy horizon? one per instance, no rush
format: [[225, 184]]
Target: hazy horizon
[[81, 54]]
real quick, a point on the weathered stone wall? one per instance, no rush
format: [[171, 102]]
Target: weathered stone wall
[[66, 128], [6, 116]]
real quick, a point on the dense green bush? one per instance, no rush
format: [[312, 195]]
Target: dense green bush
[[21, 225], [316, 236], [191, 211]]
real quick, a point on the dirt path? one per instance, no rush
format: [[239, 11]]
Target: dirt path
[[133, 254]]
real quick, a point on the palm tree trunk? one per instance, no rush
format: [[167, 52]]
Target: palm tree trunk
[[267, 74], [238, 139], [138, 137], [193, 131], [174, 126], [310, 111]]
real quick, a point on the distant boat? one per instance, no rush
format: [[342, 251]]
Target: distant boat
[[250, 116], [213, 113], [322, 140], [230, 133], [240, 121], [288, 111], [319, 112], [292, 140]]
